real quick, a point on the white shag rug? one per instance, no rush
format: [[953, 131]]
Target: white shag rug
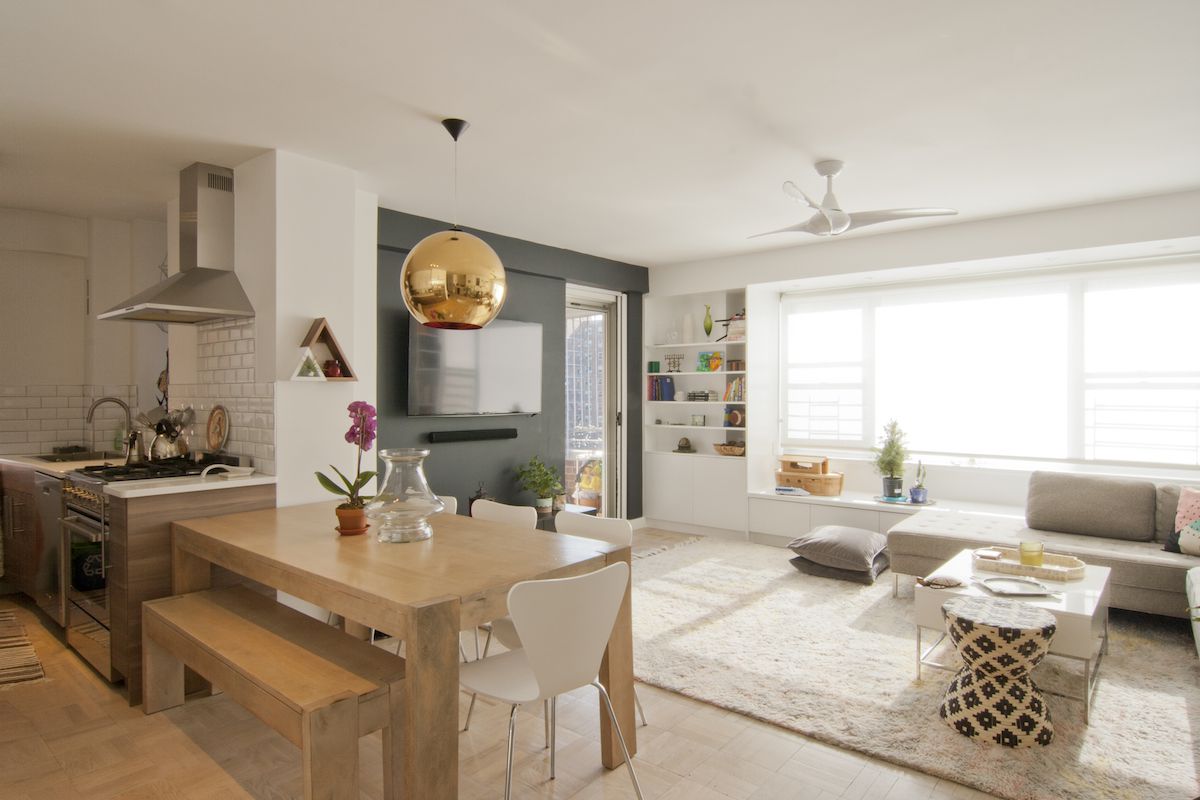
[[734, 624]]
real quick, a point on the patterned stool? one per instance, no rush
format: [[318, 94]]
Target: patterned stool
[[992, 696]]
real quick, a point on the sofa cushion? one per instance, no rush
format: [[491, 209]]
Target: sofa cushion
[[1187, 521], [1109, 508], [937, 536], [1167, 502], [840, 547], [879, 564]]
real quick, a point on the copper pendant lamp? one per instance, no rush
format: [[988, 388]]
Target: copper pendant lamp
[[452, 279]]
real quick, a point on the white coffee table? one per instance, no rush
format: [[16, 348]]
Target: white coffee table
[[1080, 609]]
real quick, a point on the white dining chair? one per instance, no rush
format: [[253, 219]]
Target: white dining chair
[[607, 529], [450, 502], [520, 516], [564, 625]]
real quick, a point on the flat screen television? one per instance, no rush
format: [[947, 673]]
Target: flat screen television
[[493, 370]]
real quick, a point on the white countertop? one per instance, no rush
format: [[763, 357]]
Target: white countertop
[[59, 468], [190, 483], [146, 488]]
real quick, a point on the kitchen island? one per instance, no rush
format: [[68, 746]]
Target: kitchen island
[[137, 516]]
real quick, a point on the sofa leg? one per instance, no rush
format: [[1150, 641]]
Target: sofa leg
[[895, 584]]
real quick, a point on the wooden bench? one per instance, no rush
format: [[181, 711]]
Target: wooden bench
[[312, 683]]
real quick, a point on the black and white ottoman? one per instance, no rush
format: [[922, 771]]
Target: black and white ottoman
[[992, 696]]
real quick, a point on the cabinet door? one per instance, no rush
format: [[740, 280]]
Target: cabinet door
[[667, 492], [851, 517], [720, 493], [779, 518], [19, 538]]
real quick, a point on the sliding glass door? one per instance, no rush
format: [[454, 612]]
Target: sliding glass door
[[594, 462]]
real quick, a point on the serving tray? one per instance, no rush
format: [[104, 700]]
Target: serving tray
[[1055, 566], [1017, 586]]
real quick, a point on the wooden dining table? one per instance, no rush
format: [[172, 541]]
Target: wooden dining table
[[425, 593]]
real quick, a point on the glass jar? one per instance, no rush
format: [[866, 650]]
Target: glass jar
[[405, 502]]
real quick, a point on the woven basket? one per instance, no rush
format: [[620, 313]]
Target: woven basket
[[827, 485], [730, 449]]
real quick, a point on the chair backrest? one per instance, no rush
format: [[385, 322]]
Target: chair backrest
[[613, 530], [520, 516], [450, 502], [565, 623]]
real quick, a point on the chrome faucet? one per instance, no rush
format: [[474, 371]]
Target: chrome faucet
[[133, 450]]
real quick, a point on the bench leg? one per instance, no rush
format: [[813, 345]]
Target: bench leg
[[394, 783], [162, 677], [329, 747]]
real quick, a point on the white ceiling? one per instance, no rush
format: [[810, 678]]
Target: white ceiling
[[650, 132]]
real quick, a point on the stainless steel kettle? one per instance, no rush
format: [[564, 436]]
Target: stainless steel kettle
[[166, 442]]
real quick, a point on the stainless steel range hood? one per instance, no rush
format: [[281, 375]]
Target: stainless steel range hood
[[206, 287]]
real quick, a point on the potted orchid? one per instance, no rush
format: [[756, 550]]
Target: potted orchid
[[351, 516]]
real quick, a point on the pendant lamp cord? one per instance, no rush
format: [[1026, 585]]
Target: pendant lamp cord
[[456, 183]]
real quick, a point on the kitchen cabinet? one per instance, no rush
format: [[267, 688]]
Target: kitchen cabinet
[[140, 550], [22, 533]]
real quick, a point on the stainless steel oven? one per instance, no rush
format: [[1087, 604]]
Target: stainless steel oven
[[84, 564]]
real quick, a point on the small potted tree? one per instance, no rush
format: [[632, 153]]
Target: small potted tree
[[889, 459], [541, 479], [917, 493]]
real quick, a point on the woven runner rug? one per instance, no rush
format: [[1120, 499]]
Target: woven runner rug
[[18, 660], [733, 624]]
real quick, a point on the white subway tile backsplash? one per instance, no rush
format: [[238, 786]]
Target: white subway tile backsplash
[[53, 416]]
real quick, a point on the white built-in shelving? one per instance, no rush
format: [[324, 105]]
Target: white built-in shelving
[[700, 488]]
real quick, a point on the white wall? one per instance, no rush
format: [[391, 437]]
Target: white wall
[[1147, 219], [324, 267], [149, 342], [43, 274]]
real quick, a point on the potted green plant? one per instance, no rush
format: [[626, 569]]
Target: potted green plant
[[541, 479], [352, 518], [889, 459], [917, 493]]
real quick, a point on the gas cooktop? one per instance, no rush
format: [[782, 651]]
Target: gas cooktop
[[149, 470]]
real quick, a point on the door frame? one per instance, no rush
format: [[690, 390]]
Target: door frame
[[591, 297]]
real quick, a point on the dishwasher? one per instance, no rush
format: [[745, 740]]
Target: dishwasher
[[47, 580]]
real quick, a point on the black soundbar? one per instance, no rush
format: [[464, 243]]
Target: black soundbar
[[472, 436]]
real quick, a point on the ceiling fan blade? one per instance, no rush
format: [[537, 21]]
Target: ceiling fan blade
[[800, 227], [796, 193], [859, 219]]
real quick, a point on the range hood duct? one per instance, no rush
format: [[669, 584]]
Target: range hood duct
[[206, 287]]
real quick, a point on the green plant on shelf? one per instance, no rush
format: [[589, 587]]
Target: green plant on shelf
[[539, 478], [891, 453]]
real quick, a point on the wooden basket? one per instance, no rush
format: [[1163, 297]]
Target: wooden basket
[[1055, 566], [806, 465], [827, 485], [730, 449]]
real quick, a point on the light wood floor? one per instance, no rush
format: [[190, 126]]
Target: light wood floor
[[71, 736]]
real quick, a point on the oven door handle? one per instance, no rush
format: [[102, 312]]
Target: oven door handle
[[71, 523]]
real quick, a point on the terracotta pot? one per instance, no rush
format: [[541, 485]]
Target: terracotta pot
[[351, 521]]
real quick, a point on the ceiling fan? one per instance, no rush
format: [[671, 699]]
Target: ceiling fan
[[831, 220]]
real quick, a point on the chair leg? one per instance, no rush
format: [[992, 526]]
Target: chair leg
[[638, 701], [553, 731], [471, 708], [546, 722], [512, 731], [637, 788]]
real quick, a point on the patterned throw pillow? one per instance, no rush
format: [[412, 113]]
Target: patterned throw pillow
[[1187, 521]]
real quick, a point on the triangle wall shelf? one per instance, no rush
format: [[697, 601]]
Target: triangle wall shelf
[[321, 336]]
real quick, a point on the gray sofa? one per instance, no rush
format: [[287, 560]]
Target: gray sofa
[[1115, 523]]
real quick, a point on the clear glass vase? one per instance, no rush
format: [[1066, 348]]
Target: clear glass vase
[[405, 502]]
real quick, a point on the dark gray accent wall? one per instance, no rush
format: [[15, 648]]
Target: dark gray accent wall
[[537, 276]]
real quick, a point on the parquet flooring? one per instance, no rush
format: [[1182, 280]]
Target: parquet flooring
[[73, 737]]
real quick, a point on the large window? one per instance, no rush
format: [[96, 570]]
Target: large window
[[1097, 365]]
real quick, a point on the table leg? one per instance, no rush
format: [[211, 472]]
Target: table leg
[[1087, 690], [616, 674], [189, 572], [918, 652], [430, 735]]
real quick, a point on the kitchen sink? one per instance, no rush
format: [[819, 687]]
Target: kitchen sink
[[94, 455]]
